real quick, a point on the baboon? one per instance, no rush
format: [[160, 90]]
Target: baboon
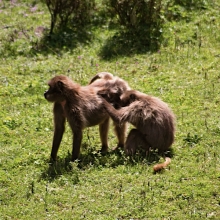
[[113, 87], [82, 108], [153, 119]]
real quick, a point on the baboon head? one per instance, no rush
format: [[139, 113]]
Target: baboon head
[[55, 93], [113, 87], [128, 97], [112, 96]]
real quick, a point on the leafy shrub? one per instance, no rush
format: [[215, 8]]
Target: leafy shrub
[[73, 12], [142, 21], [133, 14], [151, 13]]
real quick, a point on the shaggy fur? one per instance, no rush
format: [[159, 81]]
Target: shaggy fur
[[153, 119], [82, 108], [113, 87]]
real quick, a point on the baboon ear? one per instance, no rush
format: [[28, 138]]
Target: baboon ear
[[94, 79], [60, 85]]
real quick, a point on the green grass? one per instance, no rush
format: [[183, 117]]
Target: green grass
[[184, 73]]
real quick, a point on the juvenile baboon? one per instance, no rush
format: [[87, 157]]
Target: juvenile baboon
[[153, 119], [82, 107], [113, 87]]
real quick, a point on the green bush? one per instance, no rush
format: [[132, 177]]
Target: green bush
[[133, 14], [73, 12], [141, 23]]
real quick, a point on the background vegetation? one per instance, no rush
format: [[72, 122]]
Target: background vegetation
[[183, 70]]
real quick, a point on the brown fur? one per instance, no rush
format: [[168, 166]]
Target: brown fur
[[82, 107], [153, 119], [163, 165], [102, 75], [137, 139], [111, 88]]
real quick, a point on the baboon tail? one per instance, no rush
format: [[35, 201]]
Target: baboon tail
[[161, 166]]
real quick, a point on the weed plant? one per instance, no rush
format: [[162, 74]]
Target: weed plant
[[184, 72]]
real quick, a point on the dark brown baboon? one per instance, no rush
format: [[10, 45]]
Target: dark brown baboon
[[82, 107], [153, 119]]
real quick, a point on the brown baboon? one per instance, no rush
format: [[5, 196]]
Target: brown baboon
[[153, 119], [113, 87], [82, 107]]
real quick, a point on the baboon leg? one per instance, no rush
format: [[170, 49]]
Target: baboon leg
[[103, 131], [120, 131], [77, 140], [135, 140], [59, 127]]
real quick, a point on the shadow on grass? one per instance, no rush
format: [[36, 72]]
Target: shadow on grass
[[62, 40], [129, 43], [93, 159], [123, 43]]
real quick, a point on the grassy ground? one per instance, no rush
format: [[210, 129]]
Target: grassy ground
[[184, 73]]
